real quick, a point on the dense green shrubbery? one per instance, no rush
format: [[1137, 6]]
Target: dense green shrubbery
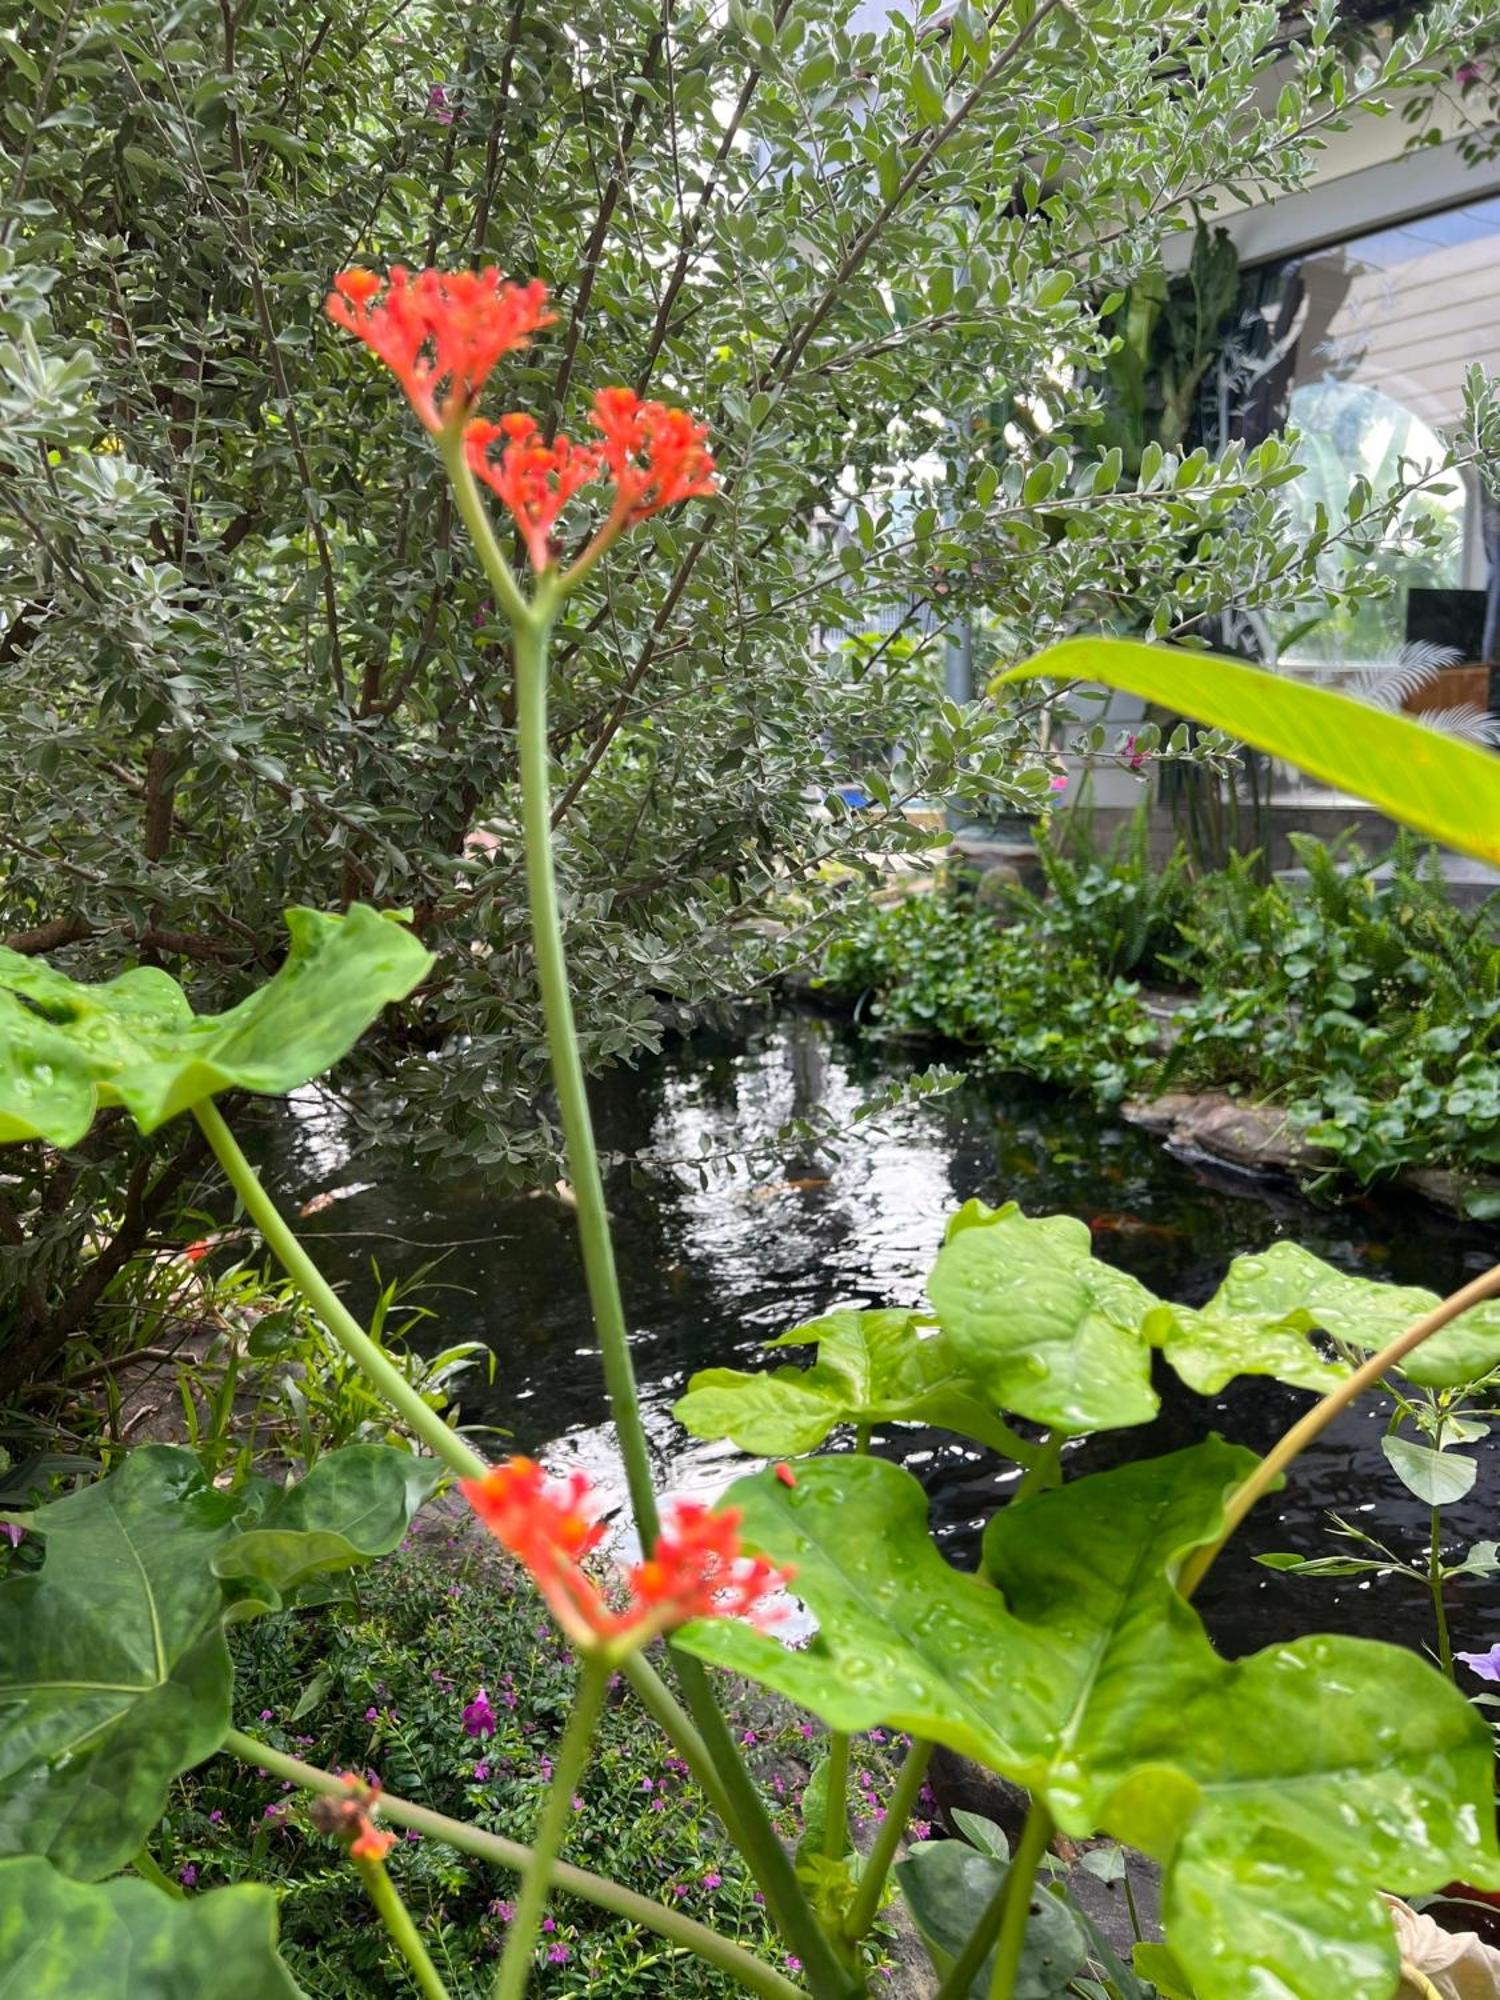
[[1360, 999], [385, 1684]]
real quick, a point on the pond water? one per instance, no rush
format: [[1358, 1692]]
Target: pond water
[[713, 1264]]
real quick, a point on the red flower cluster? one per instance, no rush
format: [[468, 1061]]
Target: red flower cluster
[[654, 456], [696, 1569], [536, 480], [441, 332], [349, 1819]]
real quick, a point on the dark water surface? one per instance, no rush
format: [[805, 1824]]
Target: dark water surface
[[712, 1271]]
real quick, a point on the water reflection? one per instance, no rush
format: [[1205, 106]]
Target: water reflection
[[713, 1263]]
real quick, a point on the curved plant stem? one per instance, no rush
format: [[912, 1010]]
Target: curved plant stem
[[1020, 1879], [1317, 1420], [898, 1812], [673, 1925], [280, 1239], [394, 1914], [150, 1870], [572, 1755]]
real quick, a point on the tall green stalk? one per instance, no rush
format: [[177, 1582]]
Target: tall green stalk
[[531, 625], [404, 1934], [567, 1070], [572, 1755]]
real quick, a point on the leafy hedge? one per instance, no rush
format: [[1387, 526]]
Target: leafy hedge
[[1359, 998]]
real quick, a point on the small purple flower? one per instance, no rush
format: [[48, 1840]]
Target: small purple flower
[[15, 1532], [749, 1739], [502, 1909], [549, 1924], [437, 104], [921, 1829], [268, 1715], [544, 1768], [648, 1784], [372, 1715], [479, 1717], [578, 1802], [1485, 1665], [1058, 783], [712, 1880], [216, 1817], [558, 1954], [481, 1772], [679, 1889], [187, 1876]]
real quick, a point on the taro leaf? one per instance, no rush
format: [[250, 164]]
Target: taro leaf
[[355, 1503], [1441, 786], [947, 1886], [1436, 1477], [66, 1049], [1047, 1329], [64, 1940], [1280, 1792], [114, 1674], [872, 1368], [1209, 1348], [1290, 1284]]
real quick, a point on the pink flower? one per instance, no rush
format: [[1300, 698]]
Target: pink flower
[[711, 1880], [187, 1876], [479, 1717], [1059, 783], [437, 104]]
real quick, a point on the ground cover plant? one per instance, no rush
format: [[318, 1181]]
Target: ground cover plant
[[1360, 999], [1281, 1793], [245, 663]]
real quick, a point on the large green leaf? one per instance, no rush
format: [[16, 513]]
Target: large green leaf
[[872, 1368], [1436, 783], [63, 1940], [1208, 1348], [1290, 1285], [1281, 1792], [114, 1674], [947, 1884], [66, 1049], [355, 1503], [1048, 1329]]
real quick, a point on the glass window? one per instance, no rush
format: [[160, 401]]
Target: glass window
[[1374, 339]]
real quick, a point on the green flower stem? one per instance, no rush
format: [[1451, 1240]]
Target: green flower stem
[[758, 1842], [836, 1817], [572, 1755], [1321, 1415], [425, 1423], [1439, 1609], [1020, 1879], [394, 1914], [150, 1870], [567, 1074], [898, 1811], [673, 1925], [531, 623]]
